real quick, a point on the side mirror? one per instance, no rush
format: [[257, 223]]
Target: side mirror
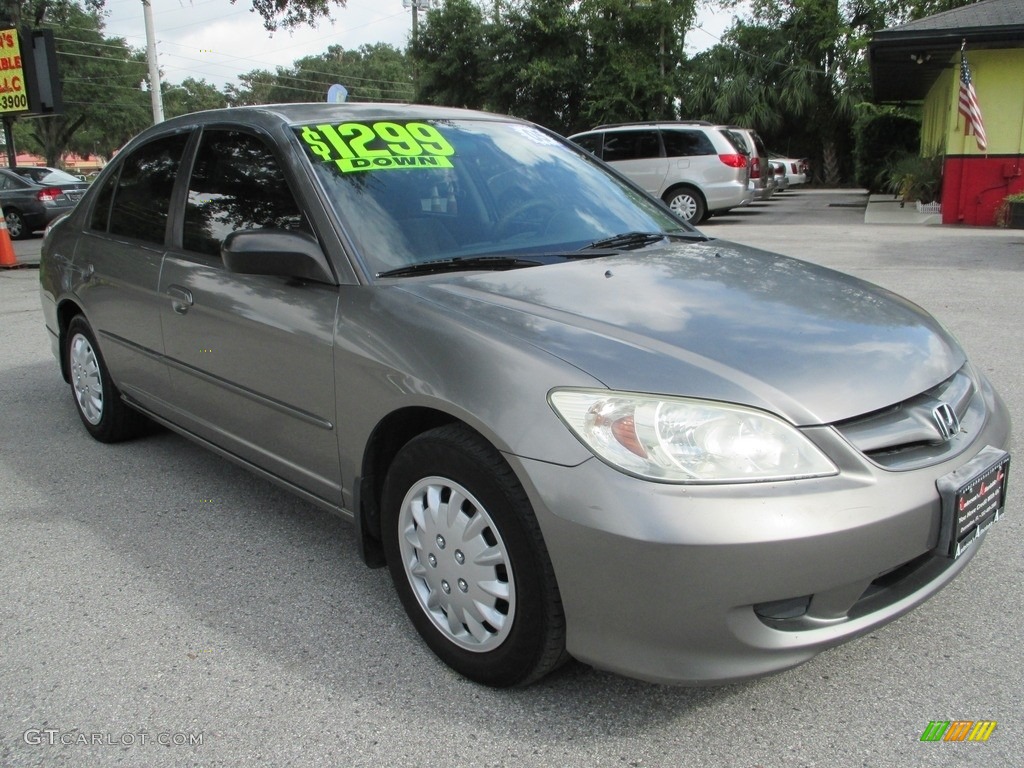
[[282, 252]]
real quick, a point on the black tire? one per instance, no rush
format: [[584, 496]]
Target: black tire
[[687, 203], [16, 226], [509, 642], [97, 400]]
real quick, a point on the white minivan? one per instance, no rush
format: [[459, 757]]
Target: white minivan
[[695, 167]]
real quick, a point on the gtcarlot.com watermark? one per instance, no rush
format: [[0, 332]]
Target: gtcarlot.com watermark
[[56, 737]]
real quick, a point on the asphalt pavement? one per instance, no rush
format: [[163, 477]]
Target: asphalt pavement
[[161, 607]]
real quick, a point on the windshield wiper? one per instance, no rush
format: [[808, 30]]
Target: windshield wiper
[[460, 264], [630, 240]]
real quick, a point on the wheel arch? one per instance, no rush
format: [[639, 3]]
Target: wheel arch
[[688, 186], [67, 309], [389, 436]]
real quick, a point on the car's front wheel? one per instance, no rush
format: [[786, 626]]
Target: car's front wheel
[[686, 203], [468, 560], [99, 404]]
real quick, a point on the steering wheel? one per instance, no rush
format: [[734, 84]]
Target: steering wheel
[[517, 221]]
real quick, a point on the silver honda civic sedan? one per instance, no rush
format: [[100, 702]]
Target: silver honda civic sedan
[[569, 424]]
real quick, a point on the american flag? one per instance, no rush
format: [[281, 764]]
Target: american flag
[[969, 105]]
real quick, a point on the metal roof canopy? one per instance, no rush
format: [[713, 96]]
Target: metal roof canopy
[[905, 61]]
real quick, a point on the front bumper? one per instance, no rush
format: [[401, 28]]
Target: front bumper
[[666, 582]]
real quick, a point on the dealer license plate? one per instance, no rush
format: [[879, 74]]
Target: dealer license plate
[[973, 498]]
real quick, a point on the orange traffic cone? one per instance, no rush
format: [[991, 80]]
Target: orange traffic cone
[[7, 257]]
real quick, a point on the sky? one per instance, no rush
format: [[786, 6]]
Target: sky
[[216, 41]]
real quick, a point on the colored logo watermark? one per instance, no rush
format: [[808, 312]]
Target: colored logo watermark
[[958, 730]]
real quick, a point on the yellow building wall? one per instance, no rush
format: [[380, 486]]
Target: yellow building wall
[[998, 77]]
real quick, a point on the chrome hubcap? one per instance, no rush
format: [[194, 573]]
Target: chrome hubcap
[[85, 379], [457, 564], [684, 205]]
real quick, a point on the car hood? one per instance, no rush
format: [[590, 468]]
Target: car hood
[[716, 320]]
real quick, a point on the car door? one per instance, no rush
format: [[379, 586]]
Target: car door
[[250, 357], [117, 266], [637, 153]]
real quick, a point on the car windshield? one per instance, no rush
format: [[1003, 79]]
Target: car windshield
[[422, 191], [48, 176]]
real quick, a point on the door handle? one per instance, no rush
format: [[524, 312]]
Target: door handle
[[181, 298]]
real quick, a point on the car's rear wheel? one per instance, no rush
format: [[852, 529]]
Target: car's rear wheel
[[99, 404], [686, 203], [468, 560], [16, 226]]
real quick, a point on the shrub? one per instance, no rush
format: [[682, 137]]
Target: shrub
[[879, 137]]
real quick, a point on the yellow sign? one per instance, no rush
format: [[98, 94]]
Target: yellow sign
[[380, 146], [13, 97]]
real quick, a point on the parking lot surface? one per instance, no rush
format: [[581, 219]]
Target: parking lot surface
[[162, 607]]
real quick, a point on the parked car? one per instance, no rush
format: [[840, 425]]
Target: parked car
[[762, 181], [779, 172], [33, 197], [695, 167], [568, 423], [797, 169]]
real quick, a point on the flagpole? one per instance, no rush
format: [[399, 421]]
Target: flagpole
[[963, 138]]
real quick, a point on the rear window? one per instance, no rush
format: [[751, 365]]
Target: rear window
[[739, 141], [734, 141], [761, 150], [48, 176]]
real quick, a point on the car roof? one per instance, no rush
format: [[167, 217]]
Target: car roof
[[271, 117], [298, 114], [658, 123]]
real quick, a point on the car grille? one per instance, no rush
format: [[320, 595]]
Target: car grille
[[908, 435]]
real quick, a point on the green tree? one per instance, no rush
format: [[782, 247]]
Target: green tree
[[636, 50], [378, 72], [292, 13], [191, 96], [538, 70], [103, 103], [452, 56]]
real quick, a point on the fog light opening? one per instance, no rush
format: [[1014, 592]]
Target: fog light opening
[[791, 608]]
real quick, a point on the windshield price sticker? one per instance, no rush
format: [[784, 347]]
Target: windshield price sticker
[[379, 146]]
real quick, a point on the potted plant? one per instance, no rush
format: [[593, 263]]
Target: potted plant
[[1010, 212]]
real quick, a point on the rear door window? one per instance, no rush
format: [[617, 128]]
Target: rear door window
[[142, 193], [590, 142], [631, 145], [686, 143]]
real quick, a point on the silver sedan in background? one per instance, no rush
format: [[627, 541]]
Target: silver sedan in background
[[568, 423]]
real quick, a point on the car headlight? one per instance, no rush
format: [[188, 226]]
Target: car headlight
[[681, 440]]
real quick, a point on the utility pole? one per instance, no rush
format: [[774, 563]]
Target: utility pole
[[155, 94], [417, 6]]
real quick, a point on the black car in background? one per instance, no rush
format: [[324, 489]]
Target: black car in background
[[32, 197]]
